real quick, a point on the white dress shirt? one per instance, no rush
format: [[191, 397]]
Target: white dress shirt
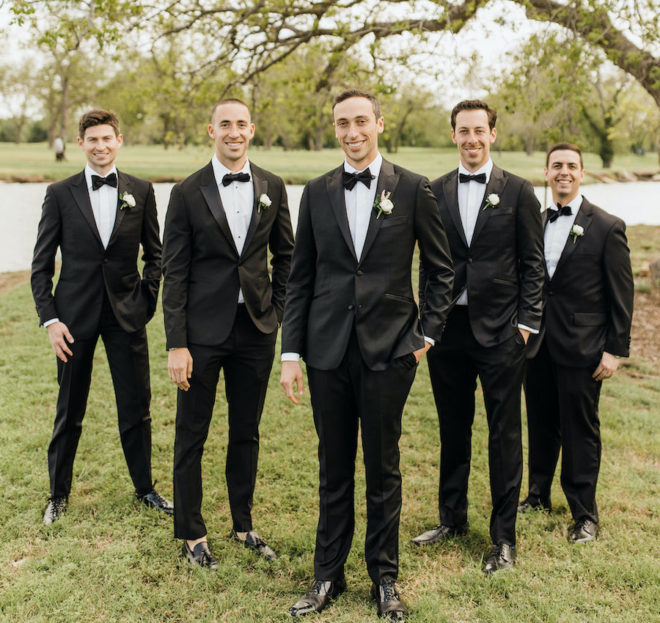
[[237, 201], [557, 233], [470, 197], [104, 204]]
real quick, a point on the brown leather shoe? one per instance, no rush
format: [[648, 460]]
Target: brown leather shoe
[[318, 597]]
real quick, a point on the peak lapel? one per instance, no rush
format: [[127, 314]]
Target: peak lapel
[[337, 200], [123, 186], [583, 219], [495, 185], [387, 181], [450, 190], [209, 190], [260, 185], [80, 194]]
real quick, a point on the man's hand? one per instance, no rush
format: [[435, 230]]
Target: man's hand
[[292, 374], [60, 338], [180, 367], [422, 351], [524, 333], [606, 368]]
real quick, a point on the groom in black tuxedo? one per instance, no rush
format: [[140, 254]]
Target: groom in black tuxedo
[[350, 313], [99, 218], [588, 314], [222, 310], [493, 223]]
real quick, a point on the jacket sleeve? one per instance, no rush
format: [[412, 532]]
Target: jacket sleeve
[[43, 260], [151, 252], [281, 248]]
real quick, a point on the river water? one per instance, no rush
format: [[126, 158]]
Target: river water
[[637, 203]]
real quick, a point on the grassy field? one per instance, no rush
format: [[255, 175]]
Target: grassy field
[[110, 560], [35, 162]]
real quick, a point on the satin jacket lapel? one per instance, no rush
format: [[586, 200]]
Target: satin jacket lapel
[[260, 186], [81, 196], [583, 219], [544, 222], [495, 185], [450, 189], [335, 188], [387, 181], [209, 190], [123, 186]]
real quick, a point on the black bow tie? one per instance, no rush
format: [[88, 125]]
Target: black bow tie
[[351, 179], [98, 181], [481, 178], [235, 177], [553, 214]]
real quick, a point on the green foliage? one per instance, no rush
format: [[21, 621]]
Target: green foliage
[[110, 560]]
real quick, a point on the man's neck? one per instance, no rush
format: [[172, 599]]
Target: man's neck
[[102, 171], [563, 200], [233, 165], [363, 164]]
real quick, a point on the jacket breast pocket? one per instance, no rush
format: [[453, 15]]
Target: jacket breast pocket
[[395, 221], [502, 211], [589, 319]]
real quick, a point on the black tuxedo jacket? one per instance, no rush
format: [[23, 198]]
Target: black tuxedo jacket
[[67, 222], [589, 300], [330, 290], [503, 268], [203, 270]]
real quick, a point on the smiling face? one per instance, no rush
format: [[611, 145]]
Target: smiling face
[[473, 138], [564, 175], [100, 145], [232, 129], [357, 130]]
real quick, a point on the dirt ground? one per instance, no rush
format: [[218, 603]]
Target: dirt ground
[[645, 330]]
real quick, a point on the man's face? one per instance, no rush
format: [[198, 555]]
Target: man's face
[[232, 129], [564, 175], [100, 145], [473, 138], [357, 130]]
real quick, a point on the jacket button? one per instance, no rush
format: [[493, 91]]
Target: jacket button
[[105, 260], [550, 292], [469, 260], [359, 273], [351, 307]]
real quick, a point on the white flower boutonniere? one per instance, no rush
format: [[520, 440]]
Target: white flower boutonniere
[[127, 201], [264, 202], [492, 201], [383, 204], [576, 231]]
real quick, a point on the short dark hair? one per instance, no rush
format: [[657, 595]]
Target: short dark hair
[[228, 100], [98, 116], [358, 93], [560, 146], [474, 105]]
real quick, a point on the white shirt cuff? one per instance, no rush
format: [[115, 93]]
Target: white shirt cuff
[[290, 357], [430, 340], [51, 321], [522, 326]]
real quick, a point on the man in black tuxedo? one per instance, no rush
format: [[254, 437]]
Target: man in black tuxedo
[[493, 223], [222, 311], [588, 313], [99, 218], [350, 313]]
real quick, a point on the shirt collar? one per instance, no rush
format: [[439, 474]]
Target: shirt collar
[[89, 172], [374, 167], [220, 170], [487, 169], [574, 204]]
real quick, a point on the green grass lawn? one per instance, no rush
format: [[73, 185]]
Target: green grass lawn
[[110, 560], [35, 162]]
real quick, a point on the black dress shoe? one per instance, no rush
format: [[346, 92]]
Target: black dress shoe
[[200, 555], [502, 557], [153, 499], [55, 509], [390, 605], [440, 533], [583, 531], [318, 597], [533, 504], [254, 542]]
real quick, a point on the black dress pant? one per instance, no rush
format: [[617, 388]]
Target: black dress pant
[[562, 411], [246, 358], [349, 396], [454, 366], [128, 358]]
